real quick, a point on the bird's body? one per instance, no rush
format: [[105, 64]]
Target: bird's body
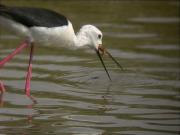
[[59, 35], [43, 26]]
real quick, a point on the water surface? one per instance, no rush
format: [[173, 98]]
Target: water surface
[[73, 93]]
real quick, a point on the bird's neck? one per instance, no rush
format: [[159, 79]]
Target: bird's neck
[[80, 39]]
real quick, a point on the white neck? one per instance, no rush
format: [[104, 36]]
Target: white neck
[[87, 36], [80, 39]]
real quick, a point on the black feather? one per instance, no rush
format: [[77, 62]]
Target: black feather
[[33, 16]]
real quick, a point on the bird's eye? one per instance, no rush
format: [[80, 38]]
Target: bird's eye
[[99, 36]]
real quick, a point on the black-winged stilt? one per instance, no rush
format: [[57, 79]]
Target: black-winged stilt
[[43, 26]]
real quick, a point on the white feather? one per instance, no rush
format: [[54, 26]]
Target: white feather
[[62, 36], [59, 36], [16, 28]]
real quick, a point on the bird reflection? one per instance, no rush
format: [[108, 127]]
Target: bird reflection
[[29, 116]]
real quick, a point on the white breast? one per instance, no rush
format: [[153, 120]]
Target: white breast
[[59, 36]]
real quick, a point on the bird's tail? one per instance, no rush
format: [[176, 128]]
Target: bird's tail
[[2, 7]]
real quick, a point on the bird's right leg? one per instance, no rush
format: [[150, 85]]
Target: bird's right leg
[[2, 88], [9, 57], [29, 74]]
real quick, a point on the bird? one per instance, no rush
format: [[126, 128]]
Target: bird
[[44, 26]]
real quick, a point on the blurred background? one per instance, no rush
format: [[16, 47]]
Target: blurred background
[[73, 92]]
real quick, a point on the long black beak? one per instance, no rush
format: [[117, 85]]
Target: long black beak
[[99, 55], [104, 51], [117, 63]]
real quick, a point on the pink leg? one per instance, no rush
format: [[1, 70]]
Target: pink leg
[[1, 99], [2, 88], [29, 74], [10, 56]]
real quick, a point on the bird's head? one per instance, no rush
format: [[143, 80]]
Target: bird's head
[[91, 36]]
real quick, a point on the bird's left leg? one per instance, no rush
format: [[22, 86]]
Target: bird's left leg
[[16, 51], [29, 74], [9, 57]]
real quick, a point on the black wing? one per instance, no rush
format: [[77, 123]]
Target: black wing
[[33, 16]]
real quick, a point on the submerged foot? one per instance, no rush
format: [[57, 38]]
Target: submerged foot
[[32, 99]]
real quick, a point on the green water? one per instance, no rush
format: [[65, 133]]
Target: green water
[[73, 92]]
